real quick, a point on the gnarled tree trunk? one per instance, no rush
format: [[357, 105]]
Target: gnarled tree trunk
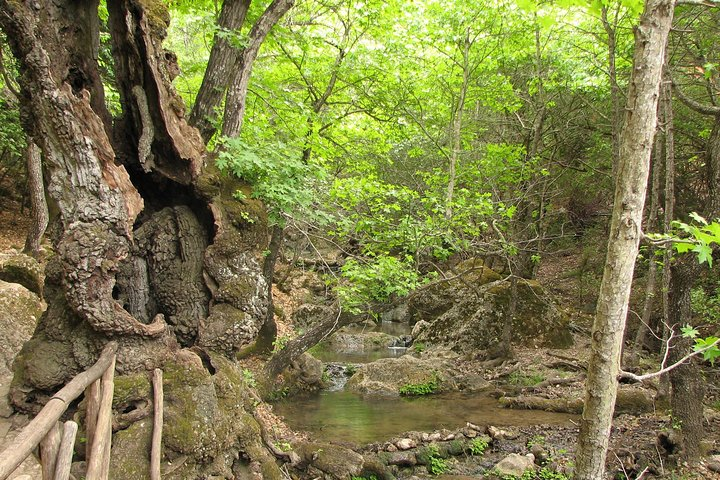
[[151, 248]]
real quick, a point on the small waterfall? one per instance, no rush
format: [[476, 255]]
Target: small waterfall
[[338, 374]]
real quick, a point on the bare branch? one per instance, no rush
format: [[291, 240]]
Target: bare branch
[[641, 378]]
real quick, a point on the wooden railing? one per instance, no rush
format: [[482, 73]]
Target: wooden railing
[[56, 441]]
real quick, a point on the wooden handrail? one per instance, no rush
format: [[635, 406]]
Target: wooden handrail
[[36, 430]]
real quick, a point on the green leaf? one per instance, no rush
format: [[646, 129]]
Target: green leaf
[[698, 218], [688, 331]]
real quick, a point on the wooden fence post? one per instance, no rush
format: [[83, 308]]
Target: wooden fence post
[[156, 449], [64, 458], [34, 432], [98, 463], [92, 405], [49, 446]]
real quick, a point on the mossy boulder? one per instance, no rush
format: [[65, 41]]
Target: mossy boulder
[[468, 315], [22, 269], [345, 342], [129, 458], [334, 461], [389, 375], [20, 310]]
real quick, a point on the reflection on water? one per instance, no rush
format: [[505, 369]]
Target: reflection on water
[[358, 357], [395, 329], [346, 417]]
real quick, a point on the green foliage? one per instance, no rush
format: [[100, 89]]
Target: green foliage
[[478, 446], [525, 379], [419, 389], [436, 464], [369, 477], [276, 172], [418, 347], [280, 342], [249, 378], [374, 280], [706, 305], [700, 238], [536, 440]]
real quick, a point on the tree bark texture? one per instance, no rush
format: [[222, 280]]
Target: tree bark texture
[[38, 204], [223, 57], [687, 382], [625, 231], [143, 238], [237, 90]]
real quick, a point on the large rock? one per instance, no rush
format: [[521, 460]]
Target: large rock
[[468, 314], [20, 268], [334, 461], [515, 464], [387, 376], [345, 342], [20, 310]]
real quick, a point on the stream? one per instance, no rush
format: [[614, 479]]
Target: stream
[[337, 415], [345, 417]]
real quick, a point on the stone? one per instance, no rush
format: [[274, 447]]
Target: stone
[[541, 455], [515, 464], [405, 444], [22, 269], [713, 463], [496, 433], [391, 448], [20, 310], [435, 437], [467, 314], [388, 375], [402, 459], [419, 327], [335, 461]]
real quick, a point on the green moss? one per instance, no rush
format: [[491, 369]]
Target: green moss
[[129, 459], [129, 388], [190, 410]]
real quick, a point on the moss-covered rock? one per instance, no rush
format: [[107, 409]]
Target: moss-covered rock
[[334, 461], [130, 458], [358, 342], [20, 310], [469, 316], [389, 375], [22, 269]]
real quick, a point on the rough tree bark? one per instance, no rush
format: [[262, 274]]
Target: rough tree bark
[[636, 142], [223, 57], [687, 383], [151, 248], [237, 90], [38, 204], [650, 226]]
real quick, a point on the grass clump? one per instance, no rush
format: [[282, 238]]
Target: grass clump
[[419, 389]]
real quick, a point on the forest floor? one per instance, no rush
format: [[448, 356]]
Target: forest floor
[[633, 440]]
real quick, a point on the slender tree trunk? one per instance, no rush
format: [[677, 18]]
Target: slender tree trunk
[[268, 332], [457, 128], [39, 208], [669, 216], [611, 31], [636, 142], [223, 57], [650, 226], [237, 90], [687, 382]]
